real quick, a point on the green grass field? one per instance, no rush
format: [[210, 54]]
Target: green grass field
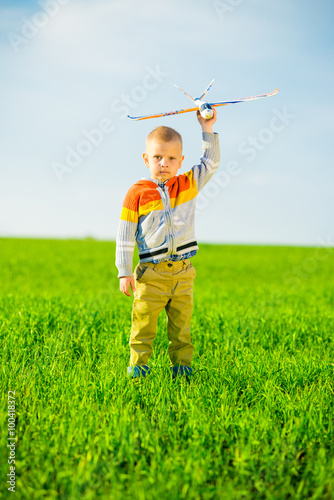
[[256, 421]]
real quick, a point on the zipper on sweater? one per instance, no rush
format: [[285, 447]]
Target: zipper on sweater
[[169, 219]]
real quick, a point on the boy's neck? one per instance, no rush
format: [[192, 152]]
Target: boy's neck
[[160, 183]]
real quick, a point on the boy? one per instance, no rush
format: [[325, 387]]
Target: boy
[[158, 213]]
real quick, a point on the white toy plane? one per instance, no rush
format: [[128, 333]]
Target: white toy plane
[[204, 107]]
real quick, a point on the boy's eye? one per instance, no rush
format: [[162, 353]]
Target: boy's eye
[[157, 157]]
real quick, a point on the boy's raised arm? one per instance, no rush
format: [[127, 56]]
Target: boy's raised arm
[[207, 124], [211, 154]]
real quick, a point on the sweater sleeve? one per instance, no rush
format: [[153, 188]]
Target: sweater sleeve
[[126, 237], [209, 160]]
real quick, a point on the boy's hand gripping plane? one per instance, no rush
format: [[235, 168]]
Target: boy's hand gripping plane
[[204, 107]]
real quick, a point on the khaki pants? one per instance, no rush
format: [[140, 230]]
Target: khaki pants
[[167, 285]]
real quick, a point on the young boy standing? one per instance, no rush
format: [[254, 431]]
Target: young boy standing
[[158, 213]]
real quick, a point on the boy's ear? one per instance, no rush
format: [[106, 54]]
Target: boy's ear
[[146, 159], [181, 160]]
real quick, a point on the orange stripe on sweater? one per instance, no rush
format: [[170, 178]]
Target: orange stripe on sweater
[[184, 190], [149, 196], [139, 195]]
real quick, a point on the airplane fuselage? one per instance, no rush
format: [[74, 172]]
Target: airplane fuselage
[[205, 109]]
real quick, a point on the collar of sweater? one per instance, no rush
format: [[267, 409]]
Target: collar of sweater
[[167, 183]]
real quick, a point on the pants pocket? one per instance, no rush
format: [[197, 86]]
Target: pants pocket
[[192, 270], [140, 271]]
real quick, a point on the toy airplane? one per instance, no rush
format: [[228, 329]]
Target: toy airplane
[[204, 107]]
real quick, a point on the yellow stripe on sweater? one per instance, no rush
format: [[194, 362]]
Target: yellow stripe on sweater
[[151, 205], [129, 215]]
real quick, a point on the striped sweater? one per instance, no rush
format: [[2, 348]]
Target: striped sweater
[[160, 216]]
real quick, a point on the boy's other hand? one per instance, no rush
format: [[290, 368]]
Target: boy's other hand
[[207, 124], [125, 283]]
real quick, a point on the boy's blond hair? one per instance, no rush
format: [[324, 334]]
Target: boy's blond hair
[[164, 134]]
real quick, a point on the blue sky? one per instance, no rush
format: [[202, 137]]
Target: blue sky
[[72, 69]]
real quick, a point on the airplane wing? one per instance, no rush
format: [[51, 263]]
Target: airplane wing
[[221, 103], [243, 99], [163, 114]]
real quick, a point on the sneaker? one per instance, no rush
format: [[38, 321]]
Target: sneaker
[[138, 371], [181, 370]]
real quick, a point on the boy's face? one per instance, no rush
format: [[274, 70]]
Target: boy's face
[[163, 158]]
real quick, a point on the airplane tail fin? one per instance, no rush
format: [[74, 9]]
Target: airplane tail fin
[[207, 89]]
